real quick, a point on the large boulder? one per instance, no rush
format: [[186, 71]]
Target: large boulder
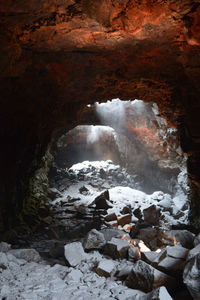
[[191, 276], [74, 253], [94, 240]]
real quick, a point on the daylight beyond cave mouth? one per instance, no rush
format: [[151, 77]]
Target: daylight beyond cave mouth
[[133, 135]]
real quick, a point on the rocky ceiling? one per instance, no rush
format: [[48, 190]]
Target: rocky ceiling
[[56, 56]]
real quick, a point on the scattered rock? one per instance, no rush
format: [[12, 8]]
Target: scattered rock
[[124, 220], [141, 277], [94, 240], [134, 253], [191, 276], [117, 248], [105, 268], [102, 201], [74, 253], [110, 217], [160, 293], [152, 215], [83, 190], [4, 247], [30, 255], [126, 210]]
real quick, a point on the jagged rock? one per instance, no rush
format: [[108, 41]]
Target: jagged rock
[[110, 217], [4, 247], [148, 236], [177, 252], [83, 190], [105, 268], [137, 212], [102, 201], [74, 253], [184, 237], [141, 277], [126, 210], [30, 255], [94, 240], [54, 193], [152, 215], [171, 265], [149, 257], [193, 252], [134, 253], [160, 293], [191, 276], [197, 240], [117, 248], [109, 233], [124, 220], [135, 229]]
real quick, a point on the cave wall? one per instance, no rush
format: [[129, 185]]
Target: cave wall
[[56, 56]]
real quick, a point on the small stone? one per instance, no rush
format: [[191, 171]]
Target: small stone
[[95, 240], [74, 253], [105, 268], [125, 220], [83, 190]]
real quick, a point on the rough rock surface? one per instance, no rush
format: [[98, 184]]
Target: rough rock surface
[[58, 56]]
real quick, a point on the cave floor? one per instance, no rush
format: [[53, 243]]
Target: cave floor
[[101, 227]]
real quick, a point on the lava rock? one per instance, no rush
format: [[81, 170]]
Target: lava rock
[[74, 253], [4, 247], [125, 220], [160, 293], [137, 213], [105, 268], [95, 240], [152, 215], [110, 217], [30, 255], [102, 201], [117, 248], [141, 277], [191, 276], [126, 210]]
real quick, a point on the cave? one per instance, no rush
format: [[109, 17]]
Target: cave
[[58, 58]]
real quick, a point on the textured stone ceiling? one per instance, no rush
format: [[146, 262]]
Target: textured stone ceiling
[[56, 56]]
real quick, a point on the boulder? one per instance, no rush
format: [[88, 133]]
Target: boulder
[[74, 253], [110, 217], [134, 253], [152, 215], [124, 220], [160, 293], [191, 276], [94, 240], [126, 210], [117, 248], [4, 247], [30, 255], [141, 277], [184, 237], [193, 252], [105, 268], [102, 201]]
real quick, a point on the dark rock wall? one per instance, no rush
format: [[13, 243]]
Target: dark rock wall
[[56, 56]]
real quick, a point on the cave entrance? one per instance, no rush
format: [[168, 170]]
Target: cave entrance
[[133, 135]]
